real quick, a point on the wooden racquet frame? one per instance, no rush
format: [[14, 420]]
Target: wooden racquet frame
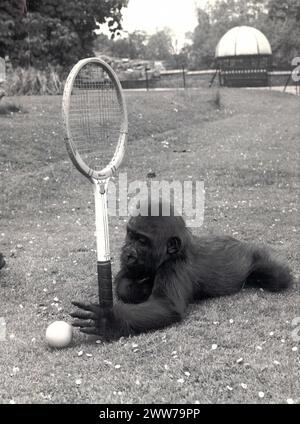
[[99, 178]]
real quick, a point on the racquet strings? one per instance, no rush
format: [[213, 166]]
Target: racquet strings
[[95, 116]]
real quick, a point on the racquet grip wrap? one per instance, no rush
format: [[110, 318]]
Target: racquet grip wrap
[[105, 284]]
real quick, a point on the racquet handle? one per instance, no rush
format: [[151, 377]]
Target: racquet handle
[[105, 284]]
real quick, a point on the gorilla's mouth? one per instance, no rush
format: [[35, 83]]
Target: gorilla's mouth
[[137, 269]]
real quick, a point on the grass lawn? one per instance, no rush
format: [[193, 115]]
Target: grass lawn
[[247, 153]]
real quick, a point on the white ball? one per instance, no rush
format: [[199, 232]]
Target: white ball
[[59, 334]]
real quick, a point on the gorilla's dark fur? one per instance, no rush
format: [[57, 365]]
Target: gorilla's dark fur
[[164, 268]]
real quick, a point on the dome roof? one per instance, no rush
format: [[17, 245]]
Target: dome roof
[[243, 40]]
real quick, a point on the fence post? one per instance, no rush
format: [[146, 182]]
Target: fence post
[[220, 77], [287, 82], [183, 77], [147, 78]]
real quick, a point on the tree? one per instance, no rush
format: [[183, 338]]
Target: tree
[[284, 27], [160, 46], [59, 32], [284, 10], [137, 42], [201, 53], [120, 48], [12, 30], [277, 19], [133, 46], [226, 14], [103, 44]]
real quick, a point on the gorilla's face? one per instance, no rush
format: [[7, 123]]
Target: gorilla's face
[[150, 241], [138, 253]]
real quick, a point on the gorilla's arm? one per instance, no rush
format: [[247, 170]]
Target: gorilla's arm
[[125, 319], [166, 305]]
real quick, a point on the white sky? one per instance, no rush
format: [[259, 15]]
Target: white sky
[[153, 15]]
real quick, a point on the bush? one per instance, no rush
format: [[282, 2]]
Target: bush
[[33, 82]]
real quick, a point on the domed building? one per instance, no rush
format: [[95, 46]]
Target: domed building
[[244, 58]]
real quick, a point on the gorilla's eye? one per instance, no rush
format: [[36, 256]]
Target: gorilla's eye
[[142, 241]]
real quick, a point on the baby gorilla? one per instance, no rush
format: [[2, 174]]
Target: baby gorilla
[[164, 268]]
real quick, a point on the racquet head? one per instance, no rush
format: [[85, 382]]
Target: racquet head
[[95, 117]]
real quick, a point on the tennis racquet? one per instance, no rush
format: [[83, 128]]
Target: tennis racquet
[[96, 127]]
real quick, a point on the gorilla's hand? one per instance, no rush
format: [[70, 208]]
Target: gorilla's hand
[[93, 319]]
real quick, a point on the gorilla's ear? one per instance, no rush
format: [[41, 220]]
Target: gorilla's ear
[[174, 245]]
